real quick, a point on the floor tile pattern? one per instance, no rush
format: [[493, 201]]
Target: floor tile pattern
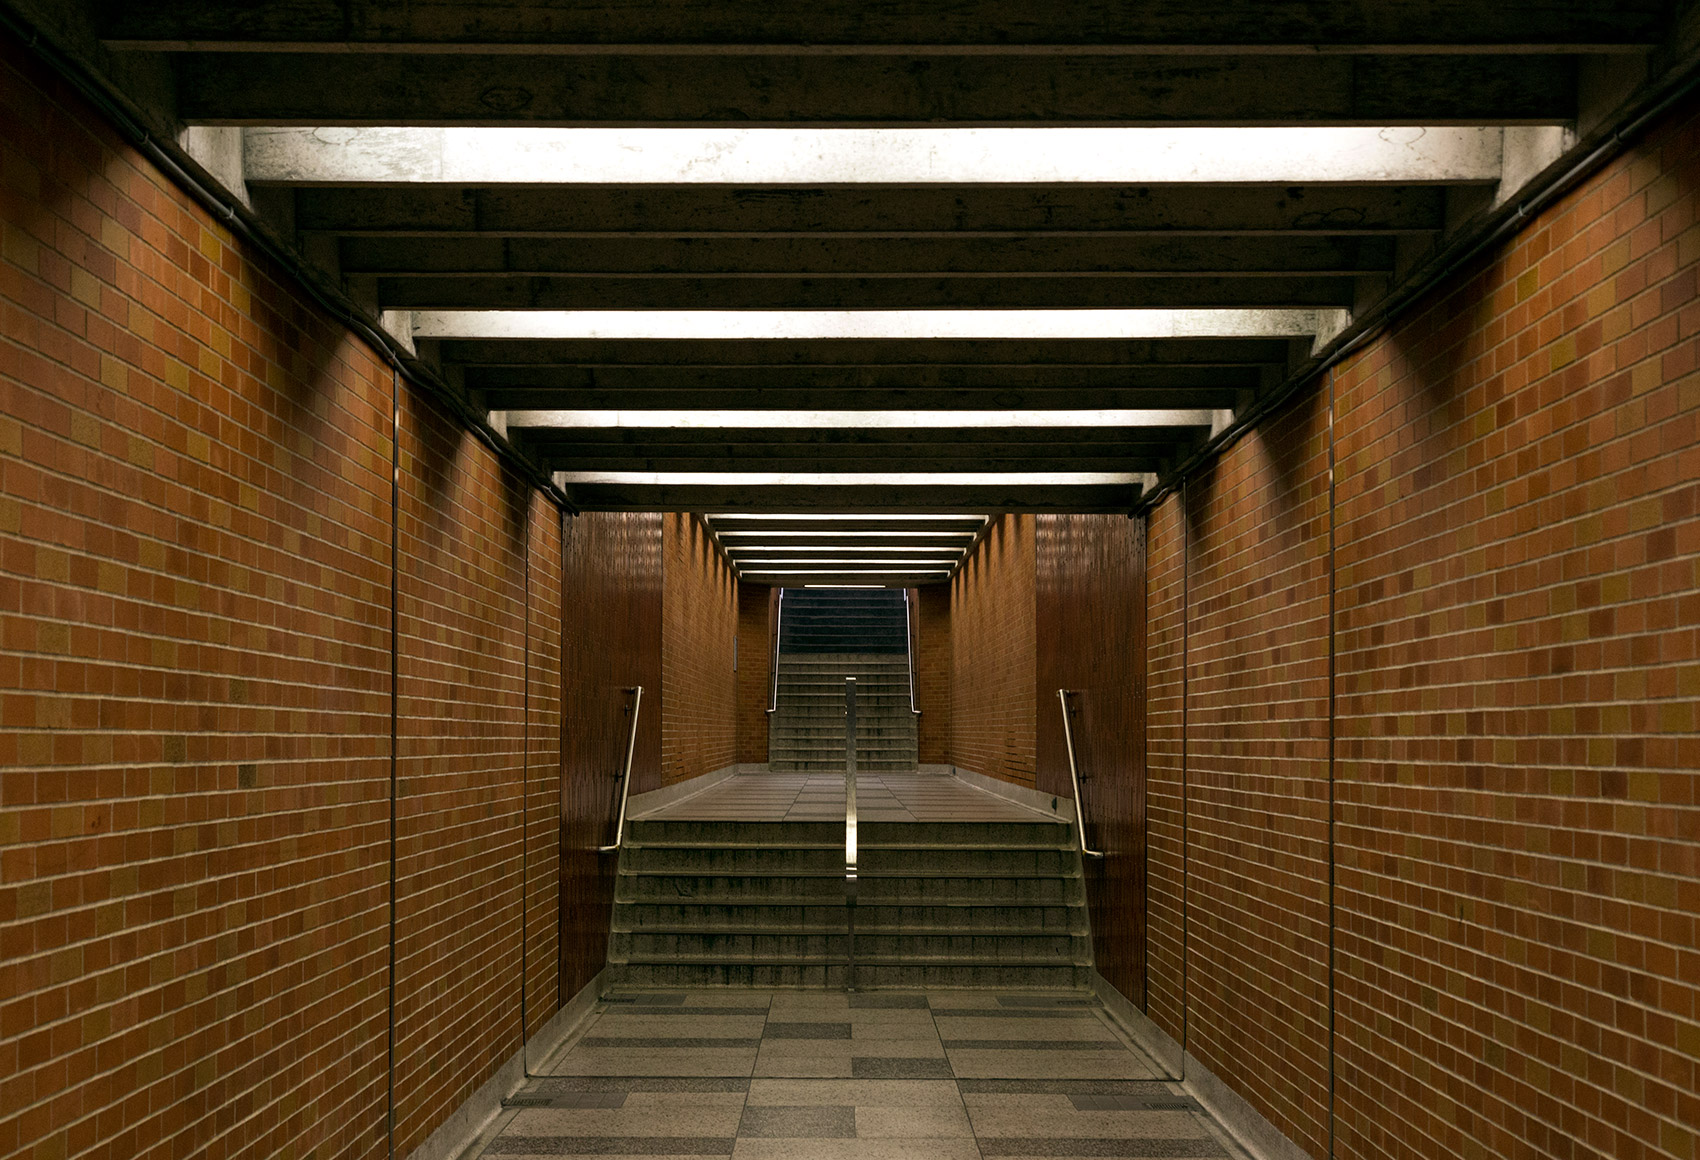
[[793, 1075], [819, 797]]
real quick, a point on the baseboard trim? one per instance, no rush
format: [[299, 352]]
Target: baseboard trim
[[1250, 1130], [648, 802], [1051, 805], [481, 1115]]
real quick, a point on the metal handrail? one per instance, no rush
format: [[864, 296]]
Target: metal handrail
[[626, 778], [909, 638], [773, 656], [850, 832], [1074, 773]]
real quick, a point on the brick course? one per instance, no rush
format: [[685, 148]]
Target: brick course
[[755, 669], [195, 600], [993, 650], [1517, 721], [699, 623]]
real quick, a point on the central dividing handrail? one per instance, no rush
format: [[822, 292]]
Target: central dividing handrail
[[850, 832], [909, 639], [1074, 773], [626, 777], [773, 655]]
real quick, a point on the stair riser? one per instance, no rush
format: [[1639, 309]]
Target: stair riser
[[834, 977]]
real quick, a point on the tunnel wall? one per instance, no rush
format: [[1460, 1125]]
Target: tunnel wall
[[755, 661], [196, 534], [1512, 549], [932, 660], [699, 630], [1090, 615], [993, 653]]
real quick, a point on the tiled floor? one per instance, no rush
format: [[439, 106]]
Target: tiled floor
[[819, 797], [877, 1076]]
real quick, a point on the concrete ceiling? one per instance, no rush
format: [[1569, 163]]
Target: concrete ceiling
[[485, 176]]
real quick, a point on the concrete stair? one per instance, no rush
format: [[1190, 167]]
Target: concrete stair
[[826, 636], [940, 904]]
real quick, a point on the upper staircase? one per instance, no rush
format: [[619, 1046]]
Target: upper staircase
[[826, 635]]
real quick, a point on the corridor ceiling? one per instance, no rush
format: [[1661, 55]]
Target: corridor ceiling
[[858, 257]]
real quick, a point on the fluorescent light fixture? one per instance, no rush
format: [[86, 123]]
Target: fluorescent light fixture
[[848, 572], [853, 479], [769, 532], [829, 517], [845, 420], [1283, 155], [1206, 322], [744, 564], [847, 548]]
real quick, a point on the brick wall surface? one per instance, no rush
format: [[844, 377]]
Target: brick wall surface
[[932, 673], [610, 642], [1165, 773], [459, 767], [755, 669], [542, 827], [992, 690], [194, 658], [1090, 603], [1516, 623], [699, 624], [195, 598], [1257, 771], [1518, 642]]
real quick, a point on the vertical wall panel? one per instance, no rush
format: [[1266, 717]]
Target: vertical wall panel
[[1090, 599], [993, 701], [194, 674], [543, 765], [1165, 627], [699, 625], [1257, 771], [933, 650], [1519, 692], [755, 669], [610, 640], [459, 767]]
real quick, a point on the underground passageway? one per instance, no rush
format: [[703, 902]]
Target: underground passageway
[[849, 581]]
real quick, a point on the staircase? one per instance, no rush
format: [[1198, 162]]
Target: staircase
[[761, 904], [826, 635]]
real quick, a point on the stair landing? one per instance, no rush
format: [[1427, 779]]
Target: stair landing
[[819, 797]]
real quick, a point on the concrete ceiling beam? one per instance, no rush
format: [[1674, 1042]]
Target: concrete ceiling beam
[[1046, 255], [1130, 289], [941, 357], [861, 90], [989, 25], [400, 155], [1012, 462], [1018, 211], [869, 399], [793, 492]]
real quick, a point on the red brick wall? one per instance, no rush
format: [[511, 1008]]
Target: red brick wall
[[542, 830], [1090, 603], [195, 767], [933, 658], [1516, 580], [610, 642], [992, 690], [460, 768], [1518, 641], [755, 669], [1165, 767], [194, 658], [699, 623], [1257, 771]]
